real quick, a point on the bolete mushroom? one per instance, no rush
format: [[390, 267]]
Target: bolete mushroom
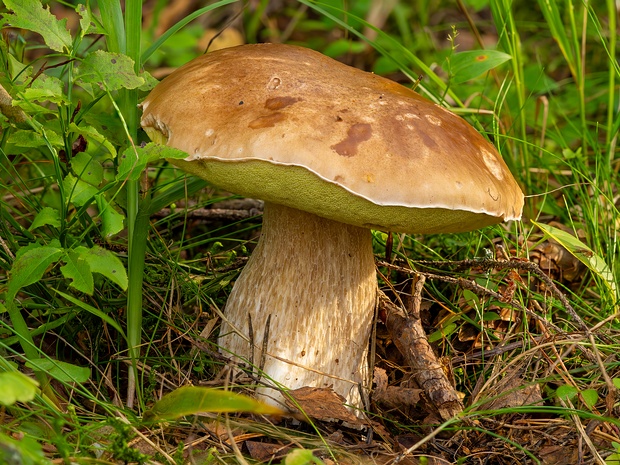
[[334, 152]]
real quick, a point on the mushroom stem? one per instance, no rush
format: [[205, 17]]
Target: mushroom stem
[[319, 326]]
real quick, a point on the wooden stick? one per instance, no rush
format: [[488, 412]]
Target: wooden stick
[[411, 341]]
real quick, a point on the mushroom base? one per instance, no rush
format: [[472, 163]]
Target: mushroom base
[[309, 288]]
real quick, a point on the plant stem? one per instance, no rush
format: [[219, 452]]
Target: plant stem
[[137, 232]]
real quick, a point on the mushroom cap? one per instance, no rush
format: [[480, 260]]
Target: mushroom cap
[[291, 126]]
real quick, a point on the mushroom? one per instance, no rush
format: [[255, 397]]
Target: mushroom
[[334, 152]]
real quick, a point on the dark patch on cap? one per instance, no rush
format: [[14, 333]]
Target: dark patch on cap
[[278, 103], [267, 121], [428, 140], [357, 134]]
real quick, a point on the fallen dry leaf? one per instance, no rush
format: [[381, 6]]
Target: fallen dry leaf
[[322, 404], [393, 396], [513, 391], [558, 454], [264, 451]]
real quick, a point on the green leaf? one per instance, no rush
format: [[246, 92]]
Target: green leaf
[[111, 71], [28, 268], [31, 139], [78, 191], [341, 47], [87, 25], [584, 254], [566, 392], [616, 382], [464, 66], [149, 81], [301, 457], [490, 316], [613, 459], [25, 451], [16, 387], [590, 397], [46, 216], [87, 169], [189, 400], [33, 108], [111, 220], [30, 15], [46, 89], [477, 5], [92, 135], [134, 161], [78, 271], [95, 311], [62, 371], [104, 262], [442, 333]]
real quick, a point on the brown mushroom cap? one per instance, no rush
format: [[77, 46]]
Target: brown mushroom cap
[[294, 127]]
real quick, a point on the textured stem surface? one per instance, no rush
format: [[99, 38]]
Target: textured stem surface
[[315, 281]]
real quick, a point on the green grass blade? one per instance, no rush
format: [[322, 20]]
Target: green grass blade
[[112, 18], [94, 311], [584, 254]]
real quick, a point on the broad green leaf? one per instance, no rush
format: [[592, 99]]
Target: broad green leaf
[[566, 392], [134, 161], [95, 311], [616, 382], [31, 139], [87, 24], [111, 71], [87, 169], [33, 108], [16, 387], [490, 316], [302, 457], [22, 72], [28, 268], [149, 81], [613, 459], [104, 262], [584, 254], [190, 400], [46, 88], [62, 371], [464, 66], [78, 192], [590, 397], [30, 15], [93, 136], [471, 298], [111, 220], [46, 216], [23, 451], [78, 271]]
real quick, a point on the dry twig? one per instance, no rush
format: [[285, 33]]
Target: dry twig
[[411, 340]]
